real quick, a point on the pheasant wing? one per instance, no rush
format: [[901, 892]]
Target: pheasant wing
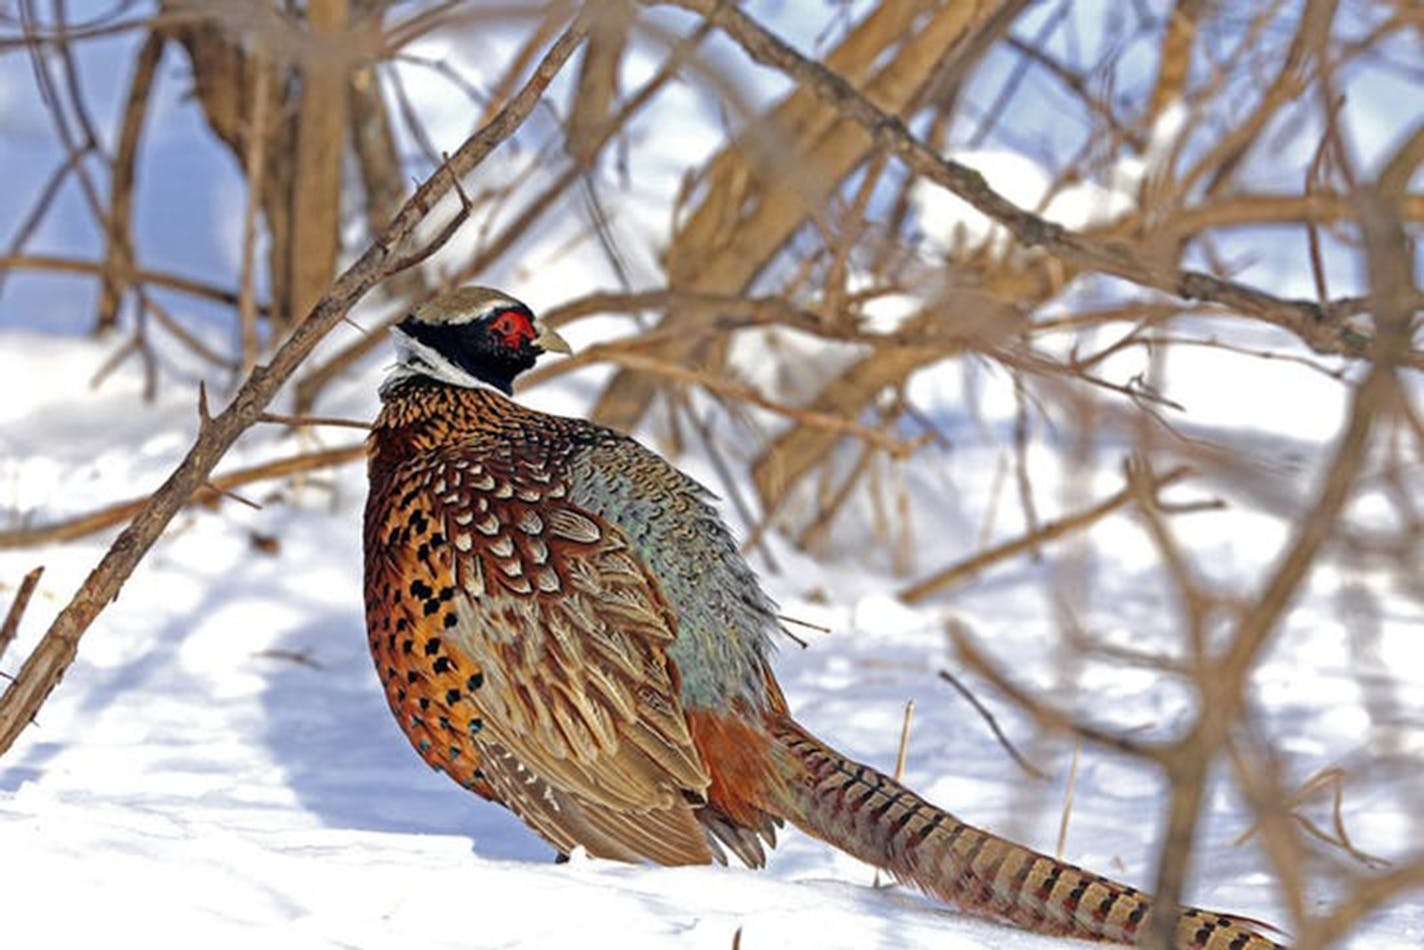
[[546, 643]]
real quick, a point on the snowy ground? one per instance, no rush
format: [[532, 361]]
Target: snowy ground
[[219, 764], [219, 768]]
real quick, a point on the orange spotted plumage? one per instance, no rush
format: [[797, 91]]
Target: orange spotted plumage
[[563, 625]]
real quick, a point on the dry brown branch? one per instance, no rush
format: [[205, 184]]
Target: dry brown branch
[[1175, 60], [411, 119], [373, 143], [1320, 207], [764, 186], [1080, 85], [153, 308], [64, 34], [903, 751], [63, 51], [1193, 603], [506, 84], [299, 421], [118, 252], [1186, 777], [1370, 401], [1258, 775], [44, 198], [957, 320], [744, 393], [730, 179], [321, 133], [1333, 780], [256, 163], [1047, 717], [299, 657], [901, 755], [598, 80], [1022, 482], [993, 722], [1292, 78], [41, 671], [1365, 898], [1067, 812], [1009, 90], [1051, 531], [54, 263], [816, 531], [223, 70], [1223, 683], [11, 625], [447, 230], [793, 454], [136, 343], [64, 111], [1319, 327], [796, 452]]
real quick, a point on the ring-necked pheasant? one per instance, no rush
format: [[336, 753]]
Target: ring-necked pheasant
[[564, 625]]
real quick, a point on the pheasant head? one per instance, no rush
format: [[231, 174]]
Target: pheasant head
[[473, 337]]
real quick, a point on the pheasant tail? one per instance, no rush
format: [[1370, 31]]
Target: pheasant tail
[[876, 819]]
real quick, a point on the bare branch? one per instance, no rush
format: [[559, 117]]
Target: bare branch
[[1319, 327], [11, 625]]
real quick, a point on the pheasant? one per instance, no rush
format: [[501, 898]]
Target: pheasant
[[563, 624]]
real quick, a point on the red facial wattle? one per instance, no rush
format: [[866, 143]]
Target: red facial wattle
[[513, 327]]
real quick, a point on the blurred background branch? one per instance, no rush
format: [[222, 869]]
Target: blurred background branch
[[785, 245]]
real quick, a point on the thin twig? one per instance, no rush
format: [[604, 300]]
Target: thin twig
[[69, 265], [901, 755], [11, 627], [1051, 531], [993, 722], [302, 420], [71, 529], [1046, 716], [1068, 799]]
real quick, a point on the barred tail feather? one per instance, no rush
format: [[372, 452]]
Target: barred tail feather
[[878, 820]]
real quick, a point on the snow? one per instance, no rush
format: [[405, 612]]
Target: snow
[[191, 779], [219, 767]]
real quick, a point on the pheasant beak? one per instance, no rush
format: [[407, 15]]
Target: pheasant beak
[[551, 342]]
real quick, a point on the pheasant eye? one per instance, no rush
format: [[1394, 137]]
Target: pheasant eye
[[514, 327]]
